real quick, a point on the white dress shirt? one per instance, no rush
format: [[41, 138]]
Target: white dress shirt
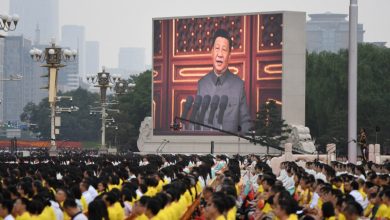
[[93, 192], [9, 217], [359, 198], [88, 197]]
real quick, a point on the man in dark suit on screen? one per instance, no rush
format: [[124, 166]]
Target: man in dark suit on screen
[[225, 89]]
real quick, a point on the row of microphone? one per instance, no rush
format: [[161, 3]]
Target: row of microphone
[[200, 106]]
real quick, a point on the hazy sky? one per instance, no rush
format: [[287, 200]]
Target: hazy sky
[[128, 23]]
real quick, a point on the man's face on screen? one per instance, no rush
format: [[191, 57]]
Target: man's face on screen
[[220, 55]]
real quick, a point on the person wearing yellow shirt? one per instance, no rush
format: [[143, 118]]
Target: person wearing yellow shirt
[[47, 213], [160, 185], [139, 208], [152, 208], [386, 201], [164, 213], [285, 206], [97, 210], [328, 211], [20, 209], [379, 208], [115, 210], [35, 209], [216, 208], [114, 182], [102, 187], [306, 196], [151, 191]]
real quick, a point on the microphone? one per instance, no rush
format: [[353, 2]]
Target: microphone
[[196, 106], [187, 106], [222, 107], [213, 108], [205, 105]]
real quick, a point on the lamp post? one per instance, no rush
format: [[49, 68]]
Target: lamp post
[[352, 81], [55, 57], [122, 86], [8, 23], [103, 80]]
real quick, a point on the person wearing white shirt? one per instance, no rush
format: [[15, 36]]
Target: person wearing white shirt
[[309, 169], [57, 210], [93, 192], [9, 217], [85, 193], [289, 182], [321, 176], [357, 195], [6, 209], [314, 200], [144, 162], [283, 172], [71, 208]]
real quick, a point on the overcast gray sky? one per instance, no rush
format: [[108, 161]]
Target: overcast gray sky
[[128, 23]]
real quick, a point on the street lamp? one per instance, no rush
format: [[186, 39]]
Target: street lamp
[[122, 86], [55, 58], [103, 80], [8, 23]]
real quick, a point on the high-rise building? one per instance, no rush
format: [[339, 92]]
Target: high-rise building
[[38, 12], [329, 32], [73, 36], [18, 93], [91, 57], [132, 59], [68, 77]]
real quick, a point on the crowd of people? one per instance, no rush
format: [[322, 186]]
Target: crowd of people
[[169, 187]]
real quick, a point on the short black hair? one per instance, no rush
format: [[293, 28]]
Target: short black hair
[[287, 202], [144, 200], [7, 204], [154, 205], [70, 203], [219, 201], [355, 185], [225, 34], [328, 210], [353, 208]]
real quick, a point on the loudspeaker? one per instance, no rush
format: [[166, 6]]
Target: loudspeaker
[[377, 129], [212, 147]]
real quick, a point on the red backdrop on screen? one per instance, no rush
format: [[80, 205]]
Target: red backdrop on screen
[[182, 55]]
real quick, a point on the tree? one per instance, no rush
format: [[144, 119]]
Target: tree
[[270, 128], [75, 126], [134, 107], [327, 95]]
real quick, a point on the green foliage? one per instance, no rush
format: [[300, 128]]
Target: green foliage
[[134, 107], [270, 129], [327, 95], [75, 126], [80, 126]]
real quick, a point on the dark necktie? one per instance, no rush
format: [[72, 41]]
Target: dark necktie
[[219, 82]]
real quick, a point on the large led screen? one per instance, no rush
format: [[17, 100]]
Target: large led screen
[[215, 70]]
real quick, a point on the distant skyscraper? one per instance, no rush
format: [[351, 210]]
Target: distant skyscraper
[[37, 12], [73, 36], [68, 77], [18, 93], [91, 57], [132, 59], [329, 32]]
